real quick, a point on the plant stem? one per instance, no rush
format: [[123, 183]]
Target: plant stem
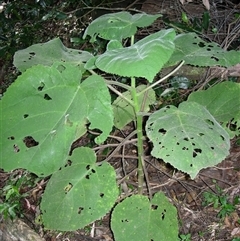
[[120, 94], [139, 123]]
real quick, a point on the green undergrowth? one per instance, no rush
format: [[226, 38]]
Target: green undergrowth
[[60, 96]]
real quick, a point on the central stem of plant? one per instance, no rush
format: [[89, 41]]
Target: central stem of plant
[[139, 124]]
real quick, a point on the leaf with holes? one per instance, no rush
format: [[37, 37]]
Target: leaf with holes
[[195, 51], [48, 53], [143, 59], [45, 110], [81, 192], [124, 112], [142, 220], [187, 137], [118, 26]]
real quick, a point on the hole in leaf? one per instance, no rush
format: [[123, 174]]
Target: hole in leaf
[[25, 116], [32, 54], [150, 124], [191, 165], [47, 97], [68, 164], [222, 137], [196, 152], [163, 214], [101, 195], [209, 122], [201, 44], [88, 167], [201, 134], [93, 171], [185, 148], [16, 148], [215, 58], [41, 86], [212, 147], [87, 177], [163, 131], [80, 210], [11, 138], [154, 207], [29, 141], [125, 221]]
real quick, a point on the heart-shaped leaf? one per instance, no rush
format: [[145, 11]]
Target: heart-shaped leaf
[[45, 110], [79, 193], [187, 137], [195, 51], [142, 220], [143, 59], [118, 26], [48, 53]]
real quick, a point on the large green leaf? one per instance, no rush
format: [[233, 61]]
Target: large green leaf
[[188, 137], [195, 51], [143, 59], [79, 193], [142, 220], [45, 110], [124, 112], [48, 53], [222, 100], [118, 26]]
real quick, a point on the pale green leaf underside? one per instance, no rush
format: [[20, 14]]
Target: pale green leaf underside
[[195, 51], [50, 105], [48, 53], [142, 220], [124, 112], [222, 100], [118, 26], [188, 137], [143, 59], [79, 193]]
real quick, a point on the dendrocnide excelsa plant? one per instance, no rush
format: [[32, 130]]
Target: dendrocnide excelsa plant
[[59, 96]]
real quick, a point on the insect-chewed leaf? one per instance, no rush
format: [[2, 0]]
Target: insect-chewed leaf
[[187, 137]]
